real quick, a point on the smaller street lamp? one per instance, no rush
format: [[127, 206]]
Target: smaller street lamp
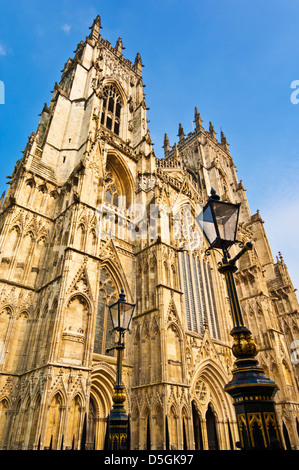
[[251, 390], [121, 313]]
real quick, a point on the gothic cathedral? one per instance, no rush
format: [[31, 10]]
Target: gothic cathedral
[[90, 210]]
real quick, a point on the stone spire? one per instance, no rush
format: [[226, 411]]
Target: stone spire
[[95, 28]]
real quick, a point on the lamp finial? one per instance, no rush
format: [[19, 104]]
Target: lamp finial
[[122, 295], [214, 196]]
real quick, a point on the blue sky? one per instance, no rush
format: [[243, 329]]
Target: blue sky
[[233, 59]]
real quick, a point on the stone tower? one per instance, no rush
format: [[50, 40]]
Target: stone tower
[[90, 209]]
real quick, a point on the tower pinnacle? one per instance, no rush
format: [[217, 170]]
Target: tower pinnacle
[[138, 62], [166, 145], [224, 141], [181, 133], [197, 119], [119, 46], [95, 28], [212, 131]]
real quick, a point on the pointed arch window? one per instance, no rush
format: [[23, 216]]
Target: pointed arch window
[[103, 338], [111, 109]]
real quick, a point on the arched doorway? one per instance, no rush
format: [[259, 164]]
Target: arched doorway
[[91, 426], [286, 437], [198, 442], [214, 407], [100, 405], [211, 429]]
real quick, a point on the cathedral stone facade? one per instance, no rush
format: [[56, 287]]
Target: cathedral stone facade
[[91, 209]]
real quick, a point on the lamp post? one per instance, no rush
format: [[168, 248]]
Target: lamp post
[[121, 313], [251, 390]]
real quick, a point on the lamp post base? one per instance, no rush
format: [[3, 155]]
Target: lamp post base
[[118, 430], [118, 422], [250, 389], [253, 393]]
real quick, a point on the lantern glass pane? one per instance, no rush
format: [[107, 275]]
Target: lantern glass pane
[[226, 217], [209, 225], [126, 311], [114, 314]]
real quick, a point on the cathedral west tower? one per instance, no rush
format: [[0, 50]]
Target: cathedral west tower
[[91, 209]]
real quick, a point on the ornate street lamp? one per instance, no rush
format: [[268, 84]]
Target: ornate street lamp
[[251, 390], [121, 313], [220, 222]]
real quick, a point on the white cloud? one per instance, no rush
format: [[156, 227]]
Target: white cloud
[[66, 28], [3, 51]]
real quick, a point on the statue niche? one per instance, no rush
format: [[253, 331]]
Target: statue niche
[[75, 328]]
